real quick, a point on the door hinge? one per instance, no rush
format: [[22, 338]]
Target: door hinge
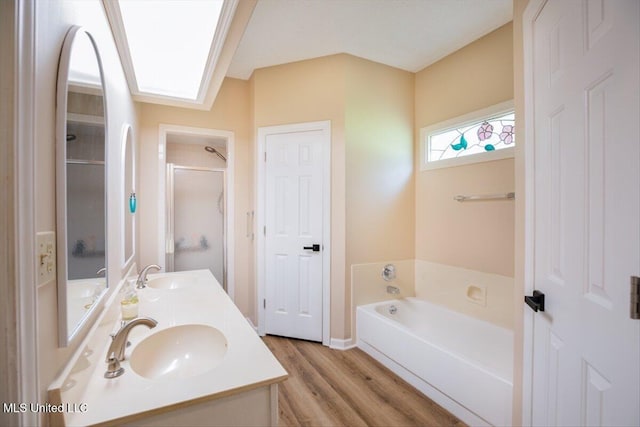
[[264, 230], [264, 303], [265, 156], [635, 297]]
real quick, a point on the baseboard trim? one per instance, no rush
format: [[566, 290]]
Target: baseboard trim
[[338, 344]]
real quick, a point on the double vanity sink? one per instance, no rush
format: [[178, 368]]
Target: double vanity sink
[[202, 364]]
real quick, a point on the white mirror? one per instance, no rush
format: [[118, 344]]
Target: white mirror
[[129, 197], [81, 184]]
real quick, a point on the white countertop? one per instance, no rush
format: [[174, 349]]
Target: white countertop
[[247, 364]]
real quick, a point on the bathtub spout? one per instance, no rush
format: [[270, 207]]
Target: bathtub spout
[[393, 290]]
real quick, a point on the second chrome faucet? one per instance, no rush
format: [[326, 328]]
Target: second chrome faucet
[[142, 277]]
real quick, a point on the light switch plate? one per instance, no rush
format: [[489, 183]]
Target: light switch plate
[[46, 256]]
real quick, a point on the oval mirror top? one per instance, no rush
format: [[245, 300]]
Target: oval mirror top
[[80, 183]]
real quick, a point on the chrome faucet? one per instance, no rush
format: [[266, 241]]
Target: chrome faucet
[[115, 354], [119, 339], [142, 277], [393, 290]]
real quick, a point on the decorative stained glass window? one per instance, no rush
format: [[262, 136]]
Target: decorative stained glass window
[[476, 137]]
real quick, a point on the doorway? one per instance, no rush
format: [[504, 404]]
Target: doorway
[[196, 201], [293, 222]]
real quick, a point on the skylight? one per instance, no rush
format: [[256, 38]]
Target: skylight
[[169, 47]]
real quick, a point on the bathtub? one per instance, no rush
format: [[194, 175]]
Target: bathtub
[[463, 364]]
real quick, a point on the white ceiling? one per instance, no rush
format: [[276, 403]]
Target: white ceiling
[[406, 34]]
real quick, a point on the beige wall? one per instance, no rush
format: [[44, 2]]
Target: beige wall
[[478, 236], [309, 91], [230, 112], [379, 166], [53, 21]]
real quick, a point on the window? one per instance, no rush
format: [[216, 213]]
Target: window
[[480, 136], [169, 48]]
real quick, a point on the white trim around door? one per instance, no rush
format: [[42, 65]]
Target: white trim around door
[[262, 134], [531, 12]]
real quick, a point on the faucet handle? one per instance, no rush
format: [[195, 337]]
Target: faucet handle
[[389, 272], [114, 369]]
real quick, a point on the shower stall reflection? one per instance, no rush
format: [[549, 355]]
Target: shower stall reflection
[[196, 221]]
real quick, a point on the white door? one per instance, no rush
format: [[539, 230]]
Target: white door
[[586, 112], [293, 235]]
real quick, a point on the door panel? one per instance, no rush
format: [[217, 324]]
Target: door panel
[[294, 210], [586, 73]]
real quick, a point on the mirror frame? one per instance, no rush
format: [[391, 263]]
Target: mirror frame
[[66, 337], [127, 144]]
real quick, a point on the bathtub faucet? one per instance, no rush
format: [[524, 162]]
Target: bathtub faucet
[[393, 290]]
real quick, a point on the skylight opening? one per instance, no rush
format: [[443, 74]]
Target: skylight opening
[[169, 42]]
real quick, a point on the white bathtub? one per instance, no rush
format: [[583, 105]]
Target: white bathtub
[[463, 364]]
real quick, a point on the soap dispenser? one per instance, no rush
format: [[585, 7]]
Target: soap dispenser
[[129, 302]]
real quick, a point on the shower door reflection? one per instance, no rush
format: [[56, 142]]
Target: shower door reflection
[[195, 220]]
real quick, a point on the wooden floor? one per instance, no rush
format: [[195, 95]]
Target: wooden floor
[[347, 388]]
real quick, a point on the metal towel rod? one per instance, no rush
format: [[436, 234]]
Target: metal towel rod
[[477, 197]]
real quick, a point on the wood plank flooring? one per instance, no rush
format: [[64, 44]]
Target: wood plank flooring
[[347, 388]]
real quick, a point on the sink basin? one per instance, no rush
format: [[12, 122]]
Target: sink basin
[[78, 289], [171, 282], [179, 352]]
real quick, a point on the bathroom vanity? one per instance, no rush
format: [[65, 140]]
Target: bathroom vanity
[[203, 364]]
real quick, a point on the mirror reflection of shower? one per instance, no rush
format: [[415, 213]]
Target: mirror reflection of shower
[[195, 201]]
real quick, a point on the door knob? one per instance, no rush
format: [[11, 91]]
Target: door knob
[[314, 248], [536, 302]]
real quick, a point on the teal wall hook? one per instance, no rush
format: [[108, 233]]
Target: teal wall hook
[[132, 203]]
